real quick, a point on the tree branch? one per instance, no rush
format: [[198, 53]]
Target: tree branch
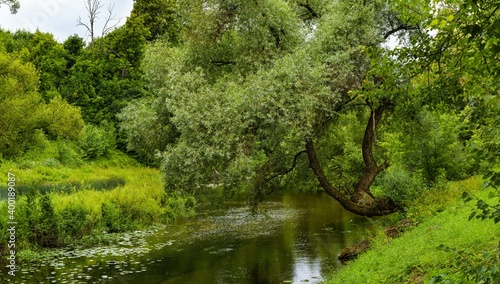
[[110, 18], [400, 28], [13, 5], [310, 10]]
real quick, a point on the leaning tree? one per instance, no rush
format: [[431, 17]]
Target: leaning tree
[[254, 86]]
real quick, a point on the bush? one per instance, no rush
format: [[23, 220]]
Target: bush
[[96, 141], [430, 144], [47, 234], [401, 185], [177, 205], [74, 222], [63, 119], [67, 154], [112, 218], [73, 212]]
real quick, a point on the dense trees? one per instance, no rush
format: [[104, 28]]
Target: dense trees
[[249, 97], [104, 77], [253, 94], [19, 96], [249, 92], [98, 80]]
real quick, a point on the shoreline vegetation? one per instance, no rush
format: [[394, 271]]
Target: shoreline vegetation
[[445, 247], [60, 206]]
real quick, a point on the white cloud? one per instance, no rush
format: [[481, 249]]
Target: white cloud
[[58, 17]]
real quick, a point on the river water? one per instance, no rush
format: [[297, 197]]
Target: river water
[[295, 238]]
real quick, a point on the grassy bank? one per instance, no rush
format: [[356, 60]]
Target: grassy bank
[[58, 205], [444, 248]]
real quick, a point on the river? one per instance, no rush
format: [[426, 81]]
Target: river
[[294, 239]]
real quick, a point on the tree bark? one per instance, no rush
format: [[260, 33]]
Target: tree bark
[[362, 201]]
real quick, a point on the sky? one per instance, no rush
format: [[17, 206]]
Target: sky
[[59, 17]]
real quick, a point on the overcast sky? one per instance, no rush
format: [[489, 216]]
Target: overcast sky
[[59, 17]]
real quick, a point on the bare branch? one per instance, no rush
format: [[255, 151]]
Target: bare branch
[[109, 19], [93, 8]]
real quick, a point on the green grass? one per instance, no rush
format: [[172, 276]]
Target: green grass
[[62, 204], [441, 248]]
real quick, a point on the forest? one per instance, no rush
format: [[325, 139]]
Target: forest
[[391, 108]]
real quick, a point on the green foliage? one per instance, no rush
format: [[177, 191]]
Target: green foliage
[[428, 145], [104, 78], [419, 255], [178, 205], [460, 63], [401, 185], [75, 223], [74, 47], [18, 96], [50, 59], [47, 227], [147, 126], [343, 157], [473, 268], [483, 210], [62, 119], [96, 141], [240, 100], [227, 36], [68, 154], [111, 215], [161, 18], [86, 210]]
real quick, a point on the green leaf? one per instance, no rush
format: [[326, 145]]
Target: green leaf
[[472, 215], [450, 18], [434, 22], [442, 24]]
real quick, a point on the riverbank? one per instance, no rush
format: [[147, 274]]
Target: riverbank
[[445, 247], [57, 205]]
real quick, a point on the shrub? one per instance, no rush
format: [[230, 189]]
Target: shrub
[[177, 205], [47, 234], [68, 154], [96, 141], [401, 185], [74, 221], [111, 217]]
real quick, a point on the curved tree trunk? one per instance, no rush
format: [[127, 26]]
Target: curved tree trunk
[[362, 202]]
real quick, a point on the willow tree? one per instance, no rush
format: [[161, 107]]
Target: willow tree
[[255, 85]]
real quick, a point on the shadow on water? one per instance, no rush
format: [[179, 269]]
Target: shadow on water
[[295, 240]]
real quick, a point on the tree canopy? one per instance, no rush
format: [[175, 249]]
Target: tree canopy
[[257, 90], [339, 95]]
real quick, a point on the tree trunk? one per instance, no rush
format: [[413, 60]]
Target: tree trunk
[[362, 201]]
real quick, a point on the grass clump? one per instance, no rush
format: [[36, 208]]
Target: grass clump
[[444, 248]]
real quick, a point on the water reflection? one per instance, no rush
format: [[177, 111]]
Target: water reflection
[[295, 239]]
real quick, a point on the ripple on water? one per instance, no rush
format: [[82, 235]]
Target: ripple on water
[[125, 256]]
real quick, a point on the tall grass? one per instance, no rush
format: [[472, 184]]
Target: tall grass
[[58, 204]]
